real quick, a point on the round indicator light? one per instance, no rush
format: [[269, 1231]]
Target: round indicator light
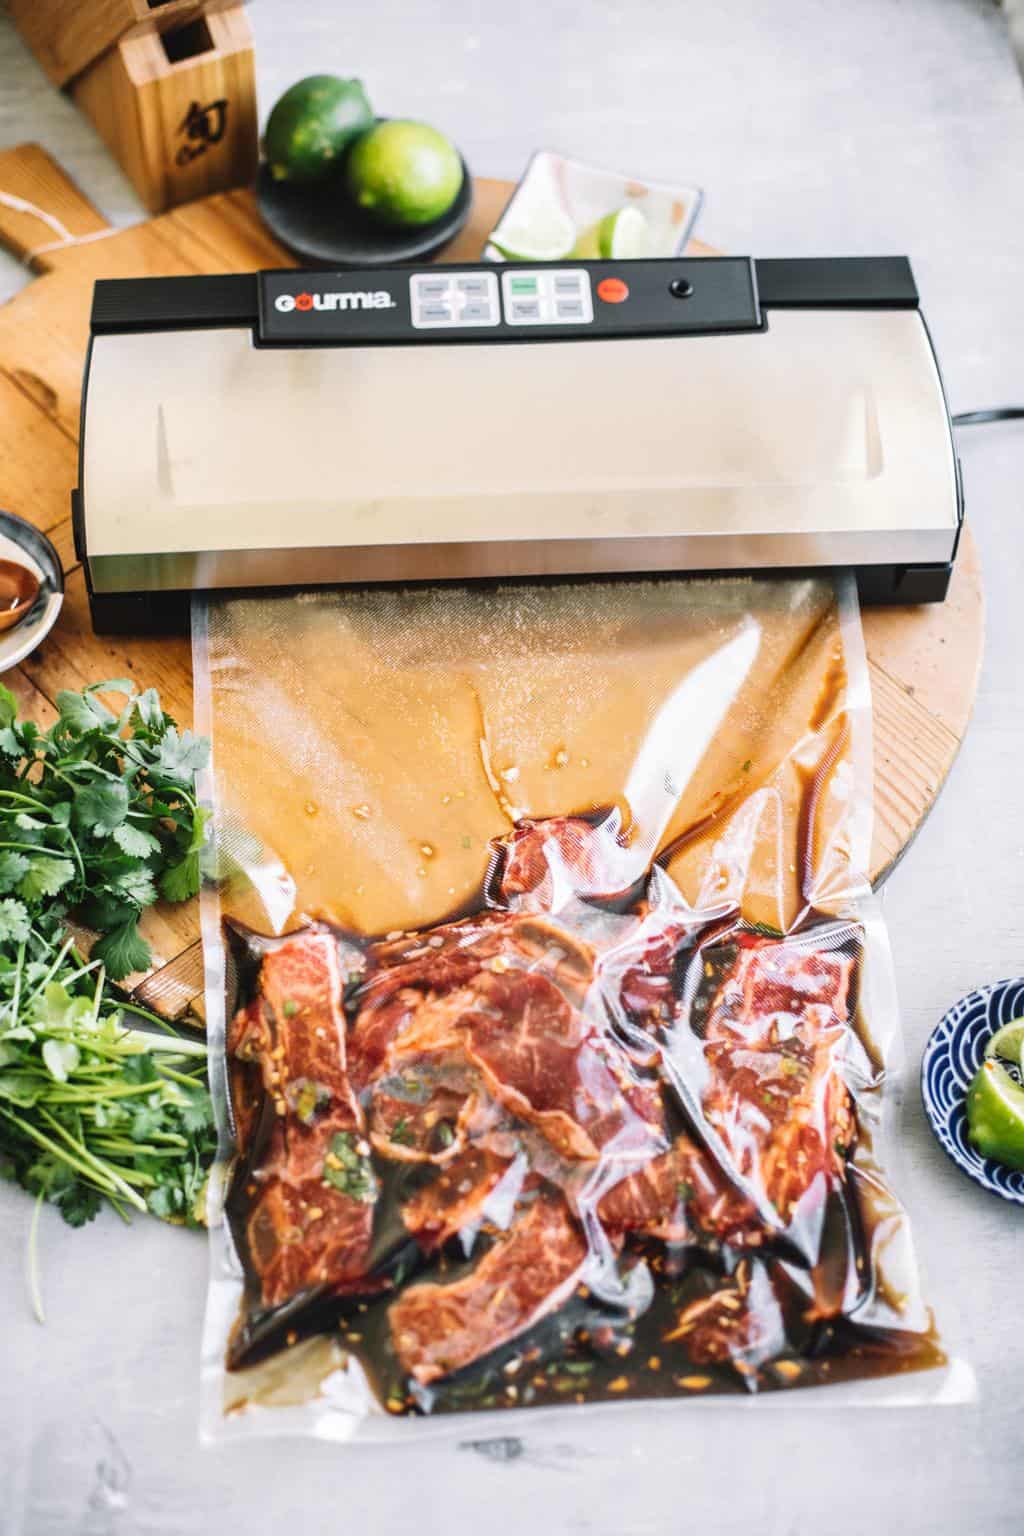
[[612, 290]]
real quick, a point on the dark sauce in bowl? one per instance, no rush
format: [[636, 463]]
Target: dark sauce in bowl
[[19, 588]]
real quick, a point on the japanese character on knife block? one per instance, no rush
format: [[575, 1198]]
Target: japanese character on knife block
[[177, 108]]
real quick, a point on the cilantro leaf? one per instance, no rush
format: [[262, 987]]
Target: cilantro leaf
[[180, 881], [8, 706], [101, 807], [147, 1119], [150, 712], [81, 711], [123, 950], [56, 1009], [45, 876], [181, 757], [105, 909], [60, 1057], [15, 923], [134, 841], [12, 867], [197, 1112], [137, 883]]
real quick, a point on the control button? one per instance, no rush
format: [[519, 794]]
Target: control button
[[612, 290], [522, 285], [431, 287], [680, 288], [570, 284], [522, 310], [473, 284], [435, 312], [569, 309], [476, 312]]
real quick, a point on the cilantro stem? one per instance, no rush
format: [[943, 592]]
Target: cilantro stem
[[177, 1077], [100, 1181], [119, 1182], [162, 1045], [55, 853], [54, 967], [69, 1095], [34, 1291], [122, 1144], [154, 1018], [16, 999], [37, 805]]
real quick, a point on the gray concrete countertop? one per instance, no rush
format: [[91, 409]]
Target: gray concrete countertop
[[817, 126]]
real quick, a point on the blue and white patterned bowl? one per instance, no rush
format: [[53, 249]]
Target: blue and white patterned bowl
[[952, 1056]]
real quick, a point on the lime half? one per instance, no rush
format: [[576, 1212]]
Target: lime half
[[547, 235], [1008, 1043], [995, 1114]]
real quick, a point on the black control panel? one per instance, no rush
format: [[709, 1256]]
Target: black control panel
[[509, 302]]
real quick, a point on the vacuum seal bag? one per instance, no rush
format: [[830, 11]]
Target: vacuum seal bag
[[553, 1021]]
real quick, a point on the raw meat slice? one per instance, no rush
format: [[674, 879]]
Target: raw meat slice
[[544, 1062], [738, 1324], [528, 1273], [774, 1042], [548, 864], [455, 1199], [311, 1218], [420, 969], [678, 1195]]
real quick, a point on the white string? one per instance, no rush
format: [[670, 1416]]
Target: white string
[[65, 237]]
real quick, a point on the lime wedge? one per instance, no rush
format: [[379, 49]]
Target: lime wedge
[[548, 235], [1008, 1043], [995, 1114], [623, 235]]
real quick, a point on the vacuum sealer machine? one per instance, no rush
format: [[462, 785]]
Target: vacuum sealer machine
[[295, 429]]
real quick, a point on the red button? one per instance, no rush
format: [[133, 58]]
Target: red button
[[612, 290]]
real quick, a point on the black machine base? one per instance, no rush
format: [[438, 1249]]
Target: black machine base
[[140, 613]]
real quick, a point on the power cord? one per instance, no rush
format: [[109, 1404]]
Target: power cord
[[982, 418]]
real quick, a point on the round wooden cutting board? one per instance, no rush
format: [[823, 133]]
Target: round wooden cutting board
[[924, 662]]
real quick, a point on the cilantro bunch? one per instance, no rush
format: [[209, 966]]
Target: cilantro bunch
[[99, 1100], [98, 817], [92, 1106]]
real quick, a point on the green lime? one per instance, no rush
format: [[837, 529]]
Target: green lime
[[623, 235], [547, 235], [312, 125], [995, 1114], [404, 173], [1008, 1042]]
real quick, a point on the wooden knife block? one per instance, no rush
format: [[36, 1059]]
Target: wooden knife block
[[67, 36], [177, 107]]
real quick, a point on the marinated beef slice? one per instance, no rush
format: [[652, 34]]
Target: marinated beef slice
[[774, 1043], [311, 1213], [529, 1273]]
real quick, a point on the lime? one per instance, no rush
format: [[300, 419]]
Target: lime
[[995, 1114], [312, 125], [404, 173], [547, 235], [1008, 1043], [623, 235]]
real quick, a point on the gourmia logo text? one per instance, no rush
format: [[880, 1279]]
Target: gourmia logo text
[[286, 302]]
